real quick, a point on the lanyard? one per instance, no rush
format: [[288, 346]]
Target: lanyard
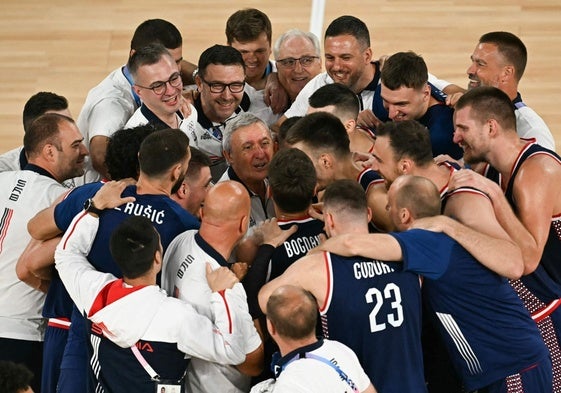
[[128, 75], [344, 377]]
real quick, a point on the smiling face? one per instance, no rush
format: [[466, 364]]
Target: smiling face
[[220, 106], [147, 75], [405, 103], [346, 60], [255, 56], [487, 66], [384, 161], [250, 153], [471, 135], [72, 152], [293, 79]]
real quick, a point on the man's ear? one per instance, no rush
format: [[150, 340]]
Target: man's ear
[[325, 160], [405, 216]]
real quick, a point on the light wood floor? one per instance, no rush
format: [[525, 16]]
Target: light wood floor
[[69, 46]]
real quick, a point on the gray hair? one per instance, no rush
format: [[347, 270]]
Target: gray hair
[[311, 37], [244, 119]]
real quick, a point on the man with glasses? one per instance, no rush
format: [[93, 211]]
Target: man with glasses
[[297, 55], [348, 60], [158, 84], [112, 102], [220, 82]]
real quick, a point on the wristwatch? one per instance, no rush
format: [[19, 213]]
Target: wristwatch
[[90, 207]]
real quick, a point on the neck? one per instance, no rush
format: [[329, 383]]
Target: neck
[[210, 116], [438, 174], [148, 279], [365, 79], [219, 238], [503, 156], [151, 186], [285, 216], [169, 119], [287, 346], [348, 170], [258, 187], [45, 166]]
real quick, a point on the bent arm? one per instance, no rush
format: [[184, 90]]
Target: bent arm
[[34, 266], [481, 234], [43, 226]]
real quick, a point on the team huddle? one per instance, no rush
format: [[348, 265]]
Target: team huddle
[[253, 225]]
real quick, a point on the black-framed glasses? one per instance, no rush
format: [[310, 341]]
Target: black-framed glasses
[[290, 62], [159, 87], [217, 87]]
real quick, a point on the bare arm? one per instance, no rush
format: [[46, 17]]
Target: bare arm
[[372, 245], [34, 266], [43, 226], [98, 150], [531, 228], [253, 364], [275, 96], [502, 254], [307, 272], [377, 198]]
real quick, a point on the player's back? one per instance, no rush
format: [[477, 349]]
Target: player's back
[[375, 308]]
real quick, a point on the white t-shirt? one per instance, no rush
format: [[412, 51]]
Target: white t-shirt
[[184, 277], [22, 195], [313, 375]]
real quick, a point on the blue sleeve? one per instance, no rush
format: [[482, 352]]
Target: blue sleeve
[[424, 252], [73, 204]]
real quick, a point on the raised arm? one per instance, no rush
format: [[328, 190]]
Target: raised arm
[[535, 199], [482, 235]]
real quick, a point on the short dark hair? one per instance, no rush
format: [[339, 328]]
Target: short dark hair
[[14, 377], [161, 150], [219, 54], [419, 195], [489, 103], [247, 25], [44, 129], [156, 31], [409, 139], [321, 130], [198, 160], [293, 317], [350, 25], [147, 55], [284, 127], [404, 69], [40, 103], [510, 47], [340, 96], [292, 179], [133, 246], [121, 158], [345, 194]]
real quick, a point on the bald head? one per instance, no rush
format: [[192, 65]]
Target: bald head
[[293, 312], [418, 194], [226, 201]]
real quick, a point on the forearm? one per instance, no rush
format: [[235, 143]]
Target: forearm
[[256, 277], [516, 230], [502, 256]]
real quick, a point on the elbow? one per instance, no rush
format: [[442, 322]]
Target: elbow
[[253, 364]]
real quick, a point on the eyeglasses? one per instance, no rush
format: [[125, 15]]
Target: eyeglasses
[[217, 87], [290, 62], [159, 87]]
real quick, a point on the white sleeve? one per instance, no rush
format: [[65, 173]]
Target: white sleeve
[[251, 337], [223, 342], [300, 105], [108, 116], [440, 84], [80, 278]]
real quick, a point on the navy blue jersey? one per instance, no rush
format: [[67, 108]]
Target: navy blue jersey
[[296, 246], [369, 177], [374, 308], [438, 119], [167, 216], [488, 332]]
